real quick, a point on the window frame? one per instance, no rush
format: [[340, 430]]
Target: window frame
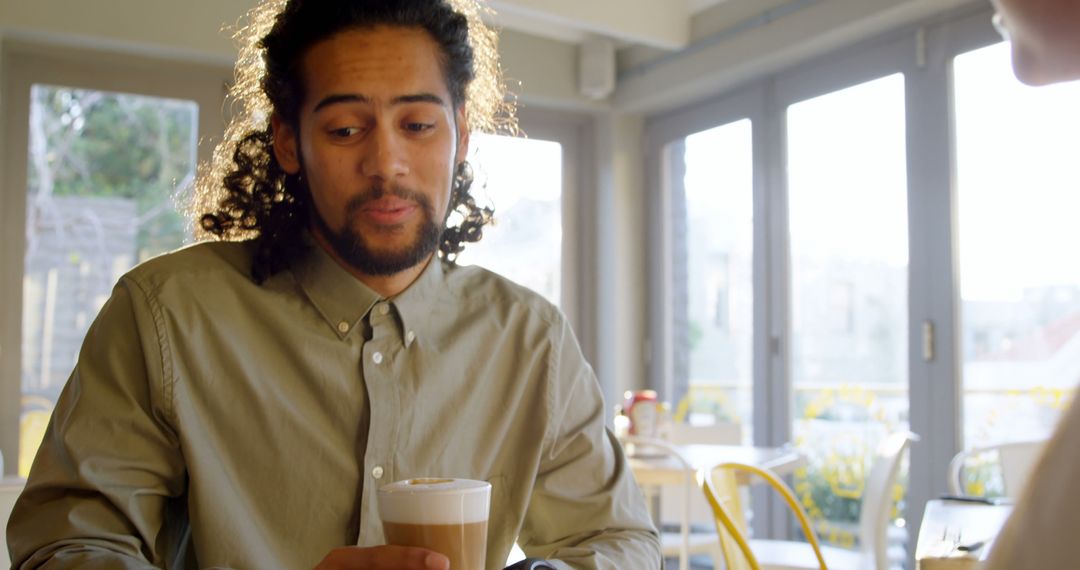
[[923, 53], [568, 130], [25, 64]]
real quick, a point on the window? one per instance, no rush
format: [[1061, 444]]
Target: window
[[522, 178], [110, 151], [712, 256], [847, 202], [1019, 282], [104, 171], [915, 217]]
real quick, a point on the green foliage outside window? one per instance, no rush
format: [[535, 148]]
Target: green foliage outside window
[[115, 145]]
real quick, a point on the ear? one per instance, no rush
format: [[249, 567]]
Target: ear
[[462, 134], [285, 144]]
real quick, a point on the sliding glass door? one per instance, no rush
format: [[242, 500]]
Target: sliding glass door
[[913, 226], [1018, 199], [711, 248], [847, 204]]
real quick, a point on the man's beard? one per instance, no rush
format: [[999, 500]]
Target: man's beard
[[351, 247]]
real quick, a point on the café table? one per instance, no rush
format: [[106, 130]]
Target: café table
[[958, 535], [657, 468]]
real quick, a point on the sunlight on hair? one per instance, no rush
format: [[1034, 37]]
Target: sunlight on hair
[[491, 109]]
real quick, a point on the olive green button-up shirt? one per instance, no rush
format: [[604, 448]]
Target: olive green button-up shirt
[[217, 423]]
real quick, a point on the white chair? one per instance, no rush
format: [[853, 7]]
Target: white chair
[[702, 542], [1016, 459], [720, 433], [682, 544], [674, 501], [873, 523]]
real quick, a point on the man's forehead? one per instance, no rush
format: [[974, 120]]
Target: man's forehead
[[375, 62]]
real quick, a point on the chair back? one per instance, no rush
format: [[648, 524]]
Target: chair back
[[722, 496], [720, 433], [720, 486], [653, 445], [1016, 460], [877, 498]]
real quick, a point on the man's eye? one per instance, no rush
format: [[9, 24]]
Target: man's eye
[[419, 127], [344, 132]]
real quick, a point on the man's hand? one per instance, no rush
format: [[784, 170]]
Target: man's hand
[[383, 558]]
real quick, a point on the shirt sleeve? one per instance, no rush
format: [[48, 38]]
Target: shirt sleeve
[[586, 510], [1041, 532], [109, 467]]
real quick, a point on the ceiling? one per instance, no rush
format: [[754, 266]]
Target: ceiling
[[664, 24]]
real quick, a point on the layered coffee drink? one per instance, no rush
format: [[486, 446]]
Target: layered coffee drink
[[448, 516]]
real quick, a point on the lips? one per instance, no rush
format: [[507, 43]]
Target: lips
[[388, 210]]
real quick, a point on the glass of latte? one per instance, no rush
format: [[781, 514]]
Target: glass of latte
[[448, 516]]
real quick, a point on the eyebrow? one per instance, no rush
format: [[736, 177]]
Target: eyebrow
[[399, 100]]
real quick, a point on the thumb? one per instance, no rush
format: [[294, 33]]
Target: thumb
[[436, 561]]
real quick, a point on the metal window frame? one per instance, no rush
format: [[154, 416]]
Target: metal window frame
[[28, 63], [923, 54]]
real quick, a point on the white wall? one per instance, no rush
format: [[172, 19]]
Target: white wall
[[546, 70], [620, 269], [194, 31], [189, 30], [724, 58]]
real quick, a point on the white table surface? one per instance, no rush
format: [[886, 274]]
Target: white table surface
[[668, 471], [948, 523]]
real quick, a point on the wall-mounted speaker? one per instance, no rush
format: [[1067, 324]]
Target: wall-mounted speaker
[[596, 68]]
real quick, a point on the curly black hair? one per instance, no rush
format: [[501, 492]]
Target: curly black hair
[[259, 199]]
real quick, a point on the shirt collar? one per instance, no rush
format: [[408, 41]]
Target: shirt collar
[[343, 300], [417, 303], [340, 298]]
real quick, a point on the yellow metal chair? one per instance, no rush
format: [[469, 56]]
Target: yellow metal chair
[[720, 486], [721, 490]]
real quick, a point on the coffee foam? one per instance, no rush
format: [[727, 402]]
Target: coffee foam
[[435, 501]]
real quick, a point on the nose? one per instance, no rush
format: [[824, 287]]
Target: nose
[[384, 156]]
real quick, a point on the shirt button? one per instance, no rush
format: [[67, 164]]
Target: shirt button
[[377, 357], [410, 336], [343, 326], [384, 309], [377, 472]]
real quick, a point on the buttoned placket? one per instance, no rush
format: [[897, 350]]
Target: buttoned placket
[[381, 366]]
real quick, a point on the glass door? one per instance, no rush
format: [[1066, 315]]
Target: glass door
[[847, 204], [1019, 195], [712, 234]]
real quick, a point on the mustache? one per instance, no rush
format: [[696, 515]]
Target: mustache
[[379, 190]]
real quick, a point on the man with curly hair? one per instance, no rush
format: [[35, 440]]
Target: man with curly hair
[[237, 403]]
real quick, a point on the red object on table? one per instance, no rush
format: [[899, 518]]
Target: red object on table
[[643, 409]]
